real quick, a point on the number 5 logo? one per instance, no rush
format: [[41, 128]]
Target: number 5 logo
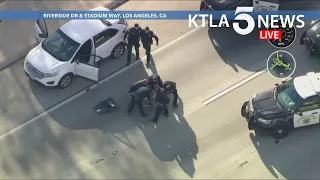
[[243, 17]]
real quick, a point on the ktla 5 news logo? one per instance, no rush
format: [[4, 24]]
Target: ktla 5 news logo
[[264, 21]]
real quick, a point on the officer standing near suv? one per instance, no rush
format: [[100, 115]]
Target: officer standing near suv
[[171, 87], [163, 100], [133, 35], [138, 97], [147, 40]]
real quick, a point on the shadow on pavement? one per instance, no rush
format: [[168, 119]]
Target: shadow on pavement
[[245, 52], [131, 130], [40, 145], [173, 139], [152, 66], [293, 157]]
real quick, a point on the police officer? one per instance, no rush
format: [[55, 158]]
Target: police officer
[[147, 40], [137, 85], [138, 97], [171, 86], [133, 35], [155, 79], [163, 100]]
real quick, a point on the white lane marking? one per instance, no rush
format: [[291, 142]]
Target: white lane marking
[[104, 80], [235, 86]]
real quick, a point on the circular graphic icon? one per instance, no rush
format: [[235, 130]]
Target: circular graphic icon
[[281, 64], [288, 36]]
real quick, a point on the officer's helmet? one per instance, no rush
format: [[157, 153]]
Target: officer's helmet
[[156, 79]]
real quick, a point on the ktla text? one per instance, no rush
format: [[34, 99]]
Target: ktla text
[[263, 21], [242, 14]]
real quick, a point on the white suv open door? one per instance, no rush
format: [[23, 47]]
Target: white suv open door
[[87, 70], [41, 30]]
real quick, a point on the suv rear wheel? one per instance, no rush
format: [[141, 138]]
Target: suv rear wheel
[[118, 51]]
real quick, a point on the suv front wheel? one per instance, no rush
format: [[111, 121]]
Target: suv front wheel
[[280, 131], [65, 81]]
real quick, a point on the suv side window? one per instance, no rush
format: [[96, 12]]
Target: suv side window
[[104, 36], [309, 104]]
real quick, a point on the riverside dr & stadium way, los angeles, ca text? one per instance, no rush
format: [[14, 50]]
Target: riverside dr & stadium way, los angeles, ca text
[[109, 15]]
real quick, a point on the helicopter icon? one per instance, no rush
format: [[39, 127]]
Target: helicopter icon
[[278, 62]]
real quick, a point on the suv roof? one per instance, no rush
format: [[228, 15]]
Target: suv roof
[[308, 85], [82, 30]]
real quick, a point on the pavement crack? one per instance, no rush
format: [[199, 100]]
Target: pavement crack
[[97, 161], [242, 164]]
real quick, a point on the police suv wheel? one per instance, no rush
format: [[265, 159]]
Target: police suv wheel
[[65, 81], [251, 125], [312, 53], [280, 131], [118, 51], [301, 41]]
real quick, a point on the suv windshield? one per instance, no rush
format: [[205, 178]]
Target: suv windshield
[[314, 33], [287, 96], [60, 46]]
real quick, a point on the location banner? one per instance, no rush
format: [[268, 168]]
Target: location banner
[[144, 15]]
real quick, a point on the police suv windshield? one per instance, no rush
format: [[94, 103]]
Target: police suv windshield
[[60, 46], [314, 33], [287, 96]]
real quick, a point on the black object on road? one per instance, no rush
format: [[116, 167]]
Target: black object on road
[[105, 106]]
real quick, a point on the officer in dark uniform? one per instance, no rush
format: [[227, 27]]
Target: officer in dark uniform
[[133, 35], [163, 100], [171, 86], [155, 79], [138, 97], [147, 40], [137, 85]]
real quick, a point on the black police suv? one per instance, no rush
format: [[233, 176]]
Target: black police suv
[[311, 38], [285, 107], [223, 5], [233, 4]]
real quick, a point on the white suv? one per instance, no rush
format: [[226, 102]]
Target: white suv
[[76, 48]]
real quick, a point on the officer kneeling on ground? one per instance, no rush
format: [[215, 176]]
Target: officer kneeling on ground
[[137, 85], [171, 86], [155, 79], [163, 100], [138, 97]]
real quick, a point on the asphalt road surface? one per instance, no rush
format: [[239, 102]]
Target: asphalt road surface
[[72, 141]]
